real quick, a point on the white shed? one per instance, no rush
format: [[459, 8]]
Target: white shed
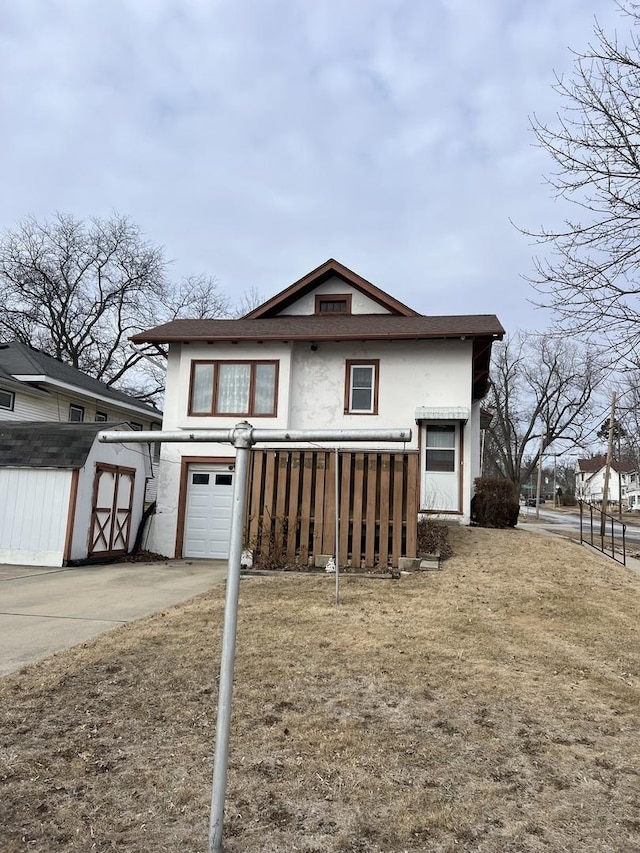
[[64, 497]]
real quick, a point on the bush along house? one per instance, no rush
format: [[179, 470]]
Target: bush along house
[[331, 351]]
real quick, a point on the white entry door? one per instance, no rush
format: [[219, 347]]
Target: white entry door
[[441, 472], [208, 513]]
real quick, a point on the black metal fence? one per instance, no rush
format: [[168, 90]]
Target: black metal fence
[[603, 531]]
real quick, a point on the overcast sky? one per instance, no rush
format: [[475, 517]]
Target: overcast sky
[[254, 139]]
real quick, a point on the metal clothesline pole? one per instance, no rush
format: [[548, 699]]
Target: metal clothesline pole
[[243, 437]]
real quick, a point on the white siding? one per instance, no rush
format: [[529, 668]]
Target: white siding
[[54, 406], [34, 506]]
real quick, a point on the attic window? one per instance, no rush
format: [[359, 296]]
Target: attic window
[[7, 399], [76, 414], [333, 303]]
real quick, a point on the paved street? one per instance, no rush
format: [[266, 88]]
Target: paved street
[[570, 519], [44, 610]]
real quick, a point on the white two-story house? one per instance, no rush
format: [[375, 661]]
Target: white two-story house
[[330, 351], [590, 477]]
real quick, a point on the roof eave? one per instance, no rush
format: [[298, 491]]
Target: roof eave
[[354, 336]]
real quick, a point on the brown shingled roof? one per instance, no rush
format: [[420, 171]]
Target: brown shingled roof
[[596, 463], [332, 328]]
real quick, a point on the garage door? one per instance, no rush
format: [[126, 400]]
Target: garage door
[[208, 515]]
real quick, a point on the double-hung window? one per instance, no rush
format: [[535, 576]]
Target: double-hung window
[[361, 387], [234, 388]]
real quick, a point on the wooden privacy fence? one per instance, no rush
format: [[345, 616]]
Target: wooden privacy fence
[[292, 505]]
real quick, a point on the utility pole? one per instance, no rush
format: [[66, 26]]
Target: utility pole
[[607, 467], [539, 478]]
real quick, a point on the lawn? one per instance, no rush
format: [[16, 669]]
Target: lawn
[[493, 706]]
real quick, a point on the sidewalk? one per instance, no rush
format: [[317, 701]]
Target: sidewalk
[[44, 609], [539, 526]]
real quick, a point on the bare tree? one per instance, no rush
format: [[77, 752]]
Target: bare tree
[[591, 275], [541, 395], [79, 290]]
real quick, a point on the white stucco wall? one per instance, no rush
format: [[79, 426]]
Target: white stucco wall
[[360, 304], [34, 505], [311, 396]]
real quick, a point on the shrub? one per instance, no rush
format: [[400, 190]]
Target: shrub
[[433, 538], [494, 503], [270, 544]]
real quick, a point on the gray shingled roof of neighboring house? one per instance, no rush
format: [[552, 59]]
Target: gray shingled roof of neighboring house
[[18, 359], [38, 444], [317, 328]]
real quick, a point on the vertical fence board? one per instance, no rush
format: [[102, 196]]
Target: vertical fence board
[[371, 498], [329, 527], [345, 503], [306, 474], [318, 503], [385, 497], [293, 513], [357, 499], [269, 487], [398, 478], [257, 459], [411, 513], [281, 526]]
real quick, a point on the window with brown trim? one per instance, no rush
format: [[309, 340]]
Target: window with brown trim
[[361, 387], [234, 388], [333, 303]]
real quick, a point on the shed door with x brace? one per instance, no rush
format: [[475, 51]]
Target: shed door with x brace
[[111, 510]]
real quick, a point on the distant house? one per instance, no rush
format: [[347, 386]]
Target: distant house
[[65, 497], [590, 476], [333, 351], [34, 386]]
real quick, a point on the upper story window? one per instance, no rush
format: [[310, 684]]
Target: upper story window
[[233, 388], [361, 387], [101, 418], [76, 414], [7, 399], [333, 303]]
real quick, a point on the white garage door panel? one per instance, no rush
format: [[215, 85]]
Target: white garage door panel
[[208, 515]]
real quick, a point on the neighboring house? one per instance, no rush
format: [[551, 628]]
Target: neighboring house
[[590, 476], [66, 497], [633, 490], [330, 351], [35, 386]]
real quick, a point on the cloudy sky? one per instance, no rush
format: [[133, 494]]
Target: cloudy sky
[[254, 139]]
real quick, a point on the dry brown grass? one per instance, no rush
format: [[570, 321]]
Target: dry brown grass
[[489, 707]]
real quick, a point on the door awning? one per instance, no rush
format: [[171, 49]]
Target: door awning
[[442, 413]]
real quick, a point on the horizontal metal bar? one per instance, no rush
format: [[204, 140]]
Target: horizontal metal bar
[[253, 435]]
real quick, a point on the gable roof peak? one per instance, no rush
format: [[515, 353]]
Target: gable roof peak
[[329, 269]]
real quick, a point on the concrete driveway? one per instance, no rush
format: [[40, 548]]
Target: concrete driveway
[[44, 610]]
